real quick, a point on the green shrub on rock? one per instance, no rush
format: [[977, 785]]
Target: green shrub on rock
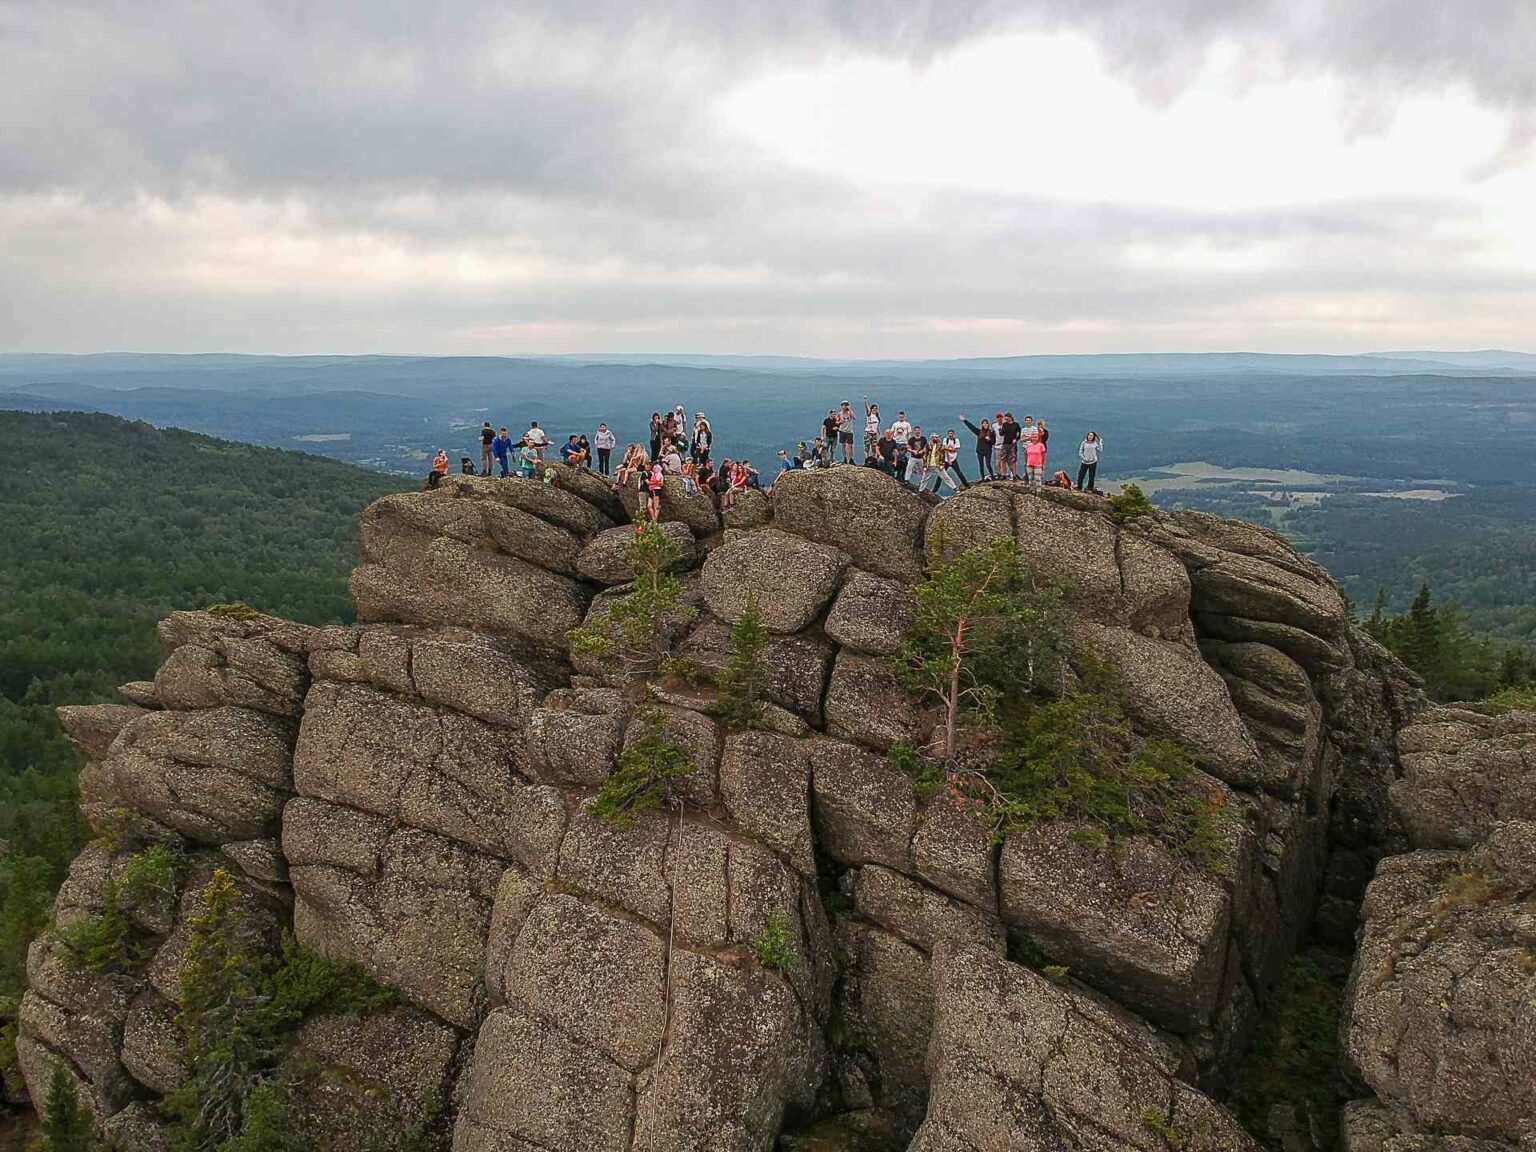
[[646, 774]]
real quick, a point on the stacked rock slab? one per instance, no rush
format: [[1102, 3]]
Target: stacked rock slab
[[413, 793], [1441, 1007]]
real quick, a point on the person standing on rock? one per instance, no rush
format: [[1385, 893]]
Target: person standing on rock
[[1034, 462], [1008, 433], [703, 440], [653, 486], [536, 438], [871, 424], [901, 431], [656, 431], [487, 438], [605, 442], [1088, 453], [986, 440], [501, 450], [952, 458], [846, 422]]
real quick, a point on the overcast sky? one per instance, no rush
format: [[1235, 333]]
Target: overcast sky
[[816, 177]]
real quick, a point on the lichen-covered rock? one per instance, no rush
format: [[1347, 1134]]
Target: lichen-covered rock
[[797, 666], [574, 738], [623, 865], [922, 917], [530, 1086], [765, 785], [1441, 1006], [138, 1129], [243, 659], [89, 1041], [1133, 920], [872, 517], [749, 509], [606, 558], [434, 769], [154, 1050], [739, 1051], [35, 1062], [365, 1079], [871, 615], [1019, 1062], [953, 850], [214, 775], [788, 578], [1171, 691], [867, 704], [414, 572], [411, 907], [1365, 1126], [864, 810], [886, 1002], [93, 727], [595, 977], [1463, 772]]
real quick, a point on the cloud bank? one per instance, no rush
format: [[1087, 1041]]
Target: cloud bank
[[876, 177]]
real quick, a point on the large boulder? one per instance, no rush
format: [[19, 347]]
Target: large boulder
[[699, 512], [875, 519], [867, 704], [765, 785], [607, 557], [797, 666], [1133, 920], [93, 727], [420, 565], [1440, 1014], [411, 907], [871, 615], [214, 774], [231, 655], [1463, 772], [789, 579], [1018, 1062]]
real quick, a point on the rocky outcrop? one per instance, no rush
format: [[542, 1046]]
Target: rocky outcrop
[[802, 943]]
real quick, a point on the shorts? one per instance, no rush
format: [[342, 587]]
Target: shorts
[[845, 437], [1011, 453]]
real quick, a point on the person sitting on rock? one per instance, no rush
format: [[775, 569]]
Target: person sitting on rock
[[689, 473], [501, 450], [439, 468], [571, 452]]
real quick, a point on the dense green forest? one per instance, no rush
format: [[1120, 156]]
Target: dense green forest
[[109, 525]]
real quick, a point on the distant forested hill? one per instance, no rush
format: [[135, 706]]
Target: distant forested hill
[[105, 526]]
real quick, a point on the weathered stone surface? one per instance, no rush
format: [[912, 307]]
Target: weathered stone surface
[[214, 659], [154, 1050], [765, 784], [872, 517], [1462, 774], [621, 865], [52, 975], [1135, 921], [140, 692], [1019, 1062], [864, 810], [738, 1051], [417, 916], [90, 1042], [867, 704], [595, 489], [750, 509], [1365, 1126], [575, 737], [952, 850], [258, 859], [886, 1002], [567, 509], [699, 511], [871, 615], [93, 727], [922, 917], [1170, 690], [531, 1088], [480, 676], [137, 1129], [699, 738], [365, 1078], [595, 977], [411, 573], [35, 1061], [790, 579], [972, 518], [1441, 1006], [698, 870], [216, 774], [798, 665], [434, 769], [606, 557]]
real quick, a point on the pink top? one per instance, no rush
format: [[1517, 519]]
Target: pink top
[[1034, 454]]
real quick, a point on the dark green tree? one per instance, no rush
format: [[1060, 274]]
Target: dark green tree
[[68, 1125], [745, 678], [637, 629]]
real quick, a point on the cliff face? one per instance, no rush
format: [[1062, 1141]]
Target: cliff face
[[412, 794]]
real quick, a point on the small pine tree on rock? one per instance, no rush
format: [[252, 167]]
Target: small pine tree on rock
[[68, 1125], [745, 678]]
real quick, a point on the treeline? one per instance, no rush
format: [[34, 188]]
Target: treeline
[[1456, 664], [109, 525]]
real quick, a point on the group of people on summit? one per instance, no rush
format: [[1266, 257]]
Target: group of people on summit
[[676, 446]]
